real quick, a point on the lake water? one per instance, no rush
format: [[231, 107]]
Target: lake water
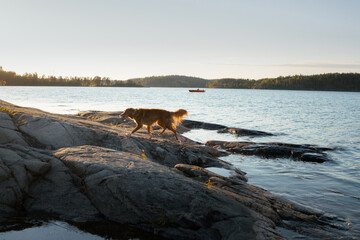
[[327, 119], [48, 230]]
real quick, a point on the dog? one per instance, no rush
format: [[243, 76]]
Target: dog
[[148, 117]]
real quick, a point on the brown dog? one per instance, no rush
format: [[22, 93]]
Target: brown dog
[[163, 118]]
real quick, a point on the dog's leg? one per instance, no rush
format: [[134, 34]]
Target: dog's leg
[[149, 130], [138, 126], [162, 131], [175, 135], [162, 124], [171, 127], [174, 131]]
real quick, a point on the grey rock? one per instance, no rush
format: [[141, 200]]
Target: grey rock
[[96, 173], [54, 133], [4, 171], [56, 195], [190, 124], [6, 121], [305, 153], [140, 192], [37, 167], [8, 135], [314, 157]]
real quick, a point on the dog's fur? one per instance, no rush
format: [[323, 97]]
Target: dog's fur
[[148, 117]]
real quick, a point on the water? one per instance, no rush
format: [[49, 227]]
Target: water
[[49, 230], [327, 119]]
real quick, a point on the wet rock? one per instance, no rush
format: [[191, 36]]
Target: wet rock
[[204, 175], [305, 153], [190, 124], [313, 157], [201, 125], [245, 132]]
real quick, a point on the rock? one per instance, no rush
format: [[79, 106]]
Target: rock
[[6, 122], [4, 171], [10, 196], [220, 182], [11, 136], [305, 153], [8, 131], [192, 171], [51, 133], [131, 146], [313, 157], [37, 167], [41, 186], [14, 162], [202, 125], [95, 173], [56, 195], [131, 189], [56, 134], [190, 124], [244, 132], [204, 175]]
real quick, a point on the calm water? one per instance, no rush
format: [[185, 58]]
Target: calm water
[[328, 119], [49, 230]]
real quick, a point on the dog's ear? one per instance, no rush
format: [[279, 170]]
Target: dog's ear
[[131, 111], [136, 112]]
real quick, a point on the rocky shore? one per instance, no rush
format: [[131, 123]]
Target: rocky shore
[[85, 170]]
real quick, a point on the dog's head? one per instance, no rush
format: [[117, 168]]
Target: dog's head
[[129, 112]]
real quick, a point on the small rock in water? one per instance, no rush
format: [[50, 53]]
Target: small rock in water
[[313, 157]]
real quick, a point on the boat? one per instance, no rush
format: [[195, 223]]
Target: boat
[[196, 90]]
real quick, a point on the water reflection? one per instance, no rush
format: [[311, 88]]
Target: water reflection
[[41, 229]]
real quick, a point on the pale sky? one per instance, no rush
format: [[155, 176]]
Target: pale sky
[[124, 39]]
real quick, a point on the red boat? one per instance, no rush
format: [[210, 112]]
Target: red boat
[[197, 90]]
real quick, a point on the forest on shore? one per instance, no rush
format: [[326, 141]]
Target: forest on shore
[[321, 82], [9, 78]]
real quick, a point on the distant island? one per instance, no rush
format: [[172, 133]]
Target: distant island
[[319, 82]]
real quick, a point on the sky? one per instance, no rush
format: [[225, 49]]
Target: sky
[[211, 39]]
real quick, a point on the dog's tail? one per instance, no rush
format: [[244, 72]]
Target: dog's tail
[[178, 116]]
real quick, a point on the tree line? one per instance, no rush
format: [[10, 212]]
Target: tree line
[[172, 81], [328, 81], [9, 78], [320, 82]]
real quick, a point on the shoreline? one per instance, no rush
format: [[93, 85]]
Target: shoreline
[[270, 89], [104, 170]]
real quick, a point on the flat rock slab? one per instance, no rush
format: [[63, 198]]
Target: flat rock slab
[[306, 153], [190, 124]]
